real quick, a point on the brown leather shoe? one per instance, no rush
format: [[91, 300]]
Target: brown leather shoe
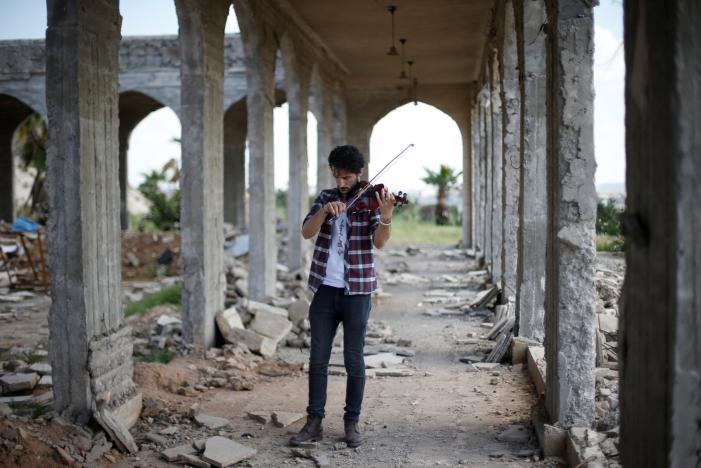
[[353, 437], [311, 432]]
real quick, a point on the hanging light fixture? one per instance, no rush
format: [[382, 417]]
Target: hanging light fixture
[[416, 85], [392, 50], [402, 75]]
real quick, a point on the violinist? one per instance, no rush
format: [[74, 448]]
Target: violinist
[[342, 277]]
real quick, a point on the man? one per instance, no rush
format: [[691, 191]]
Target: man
[[342, 277]]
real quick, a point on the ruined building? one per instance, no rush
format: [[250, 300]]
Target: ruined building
[[515, 75]]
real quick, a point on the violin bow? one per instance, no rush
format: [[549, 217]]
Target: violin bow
[[382, 171]]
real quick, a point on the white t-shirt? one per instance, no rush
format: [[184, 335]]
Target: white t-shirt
[[335, 272]]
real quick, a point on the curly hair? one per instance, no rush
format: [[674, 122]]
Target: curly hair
[[347, 157]]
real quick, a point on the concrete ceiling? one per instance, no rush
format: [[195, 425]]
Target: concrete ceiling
[[445, 38]]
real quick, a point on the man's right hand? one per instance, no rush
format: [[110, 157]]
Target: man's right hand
[[335, 208]]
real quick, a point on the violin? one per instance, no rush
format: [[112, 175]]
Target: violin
[[365, 198]]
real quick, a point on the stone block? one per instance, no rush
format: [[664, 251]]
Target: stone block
[[298, 311], [228, 320], [519, 348], [270, 325], [117, 431], [551, 438], [192, 460], [608, 324], [12, 383], [255, 342], [41, 368], [535, 357], [221, 452], [262, 417]]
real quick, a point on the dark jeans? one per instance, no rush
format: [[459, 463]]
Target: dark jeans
[[329, 308]]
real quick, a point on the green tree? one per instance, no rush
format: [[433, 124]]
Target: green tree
[[30, 139], [445, 180], [608, 218], [165, 204]]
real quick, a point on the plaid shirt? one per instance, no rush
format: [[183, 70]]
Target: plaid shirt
[[359, 262]]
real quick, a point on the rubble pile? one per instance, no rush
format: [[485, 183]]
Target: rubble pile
[[148, 255], [25, 381]]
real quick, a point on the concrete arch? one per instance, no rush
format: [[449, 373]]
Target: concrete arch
[[12, 112], [134, 106], [390, 108]]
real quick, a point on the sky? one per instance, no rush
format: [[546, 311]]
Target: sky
[[435, 135]]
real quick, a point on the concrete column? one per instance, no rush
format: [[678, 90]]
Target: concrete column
[[201, 181], [467, 239], [570, 302], [660, 393], [476, 197], [487, 171], [359, 131], [297, 80], [91, 350], [497, 163], [324, 137], [123, 178], [259, 48], [235, 129], [340, 117], [7, 175], [530, 293], [511, 180]]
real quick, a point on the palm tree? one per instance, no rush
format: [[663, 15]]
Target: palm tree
[[445, 179], [31, 141]]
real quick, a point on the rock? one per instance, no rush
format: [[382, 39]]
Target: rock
[[5, 411], [255, 342], [321, 460], [284, 419], [262, 417], [221, 452], [471, 359], [228, 320], [486, 365], [132, 260], [117, 431], [172, 454], [383, 360], [395, 372], [211, 422], [41, 368], [99, 448], [516, 433], [270, 325], [192, 460], [65, 456], [156, 439], [12, 383], [298, 311]]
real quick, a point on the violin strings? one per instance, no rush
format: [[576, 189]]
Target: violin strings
[[382, 171]]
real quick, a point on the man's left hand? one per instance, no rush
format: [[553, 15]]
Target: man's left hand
[[385, 200]]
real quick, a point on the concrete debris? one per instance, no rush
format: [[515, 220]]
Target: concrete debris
[[13, 383], [383, 360], [221, 452], [41, 368], [192, 460], [253, 341], [228, 320], [117, 431], [172, 454], [211, 422], [262, 417], [284, 419]]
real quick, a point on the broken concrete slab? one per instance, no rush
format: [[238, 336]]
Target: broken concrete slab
[[229, 319], [46, 381], [608, 324], [129, 411], [394, 372], [519, 348], [211, 422], [117, 431], [284, 419], [262, 417], [13, 383], [41, 368], [383, 360], [221, 452], [255, 342], [255, 308], [173, 453], [192, 460], [270, 325], [486, 365]]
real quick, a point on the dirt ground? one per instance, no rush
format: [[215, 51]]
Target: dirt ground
[[443, 415]]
